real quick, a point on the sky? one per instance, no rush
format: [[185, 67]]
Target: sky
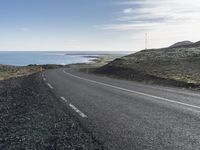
[[107, 25]]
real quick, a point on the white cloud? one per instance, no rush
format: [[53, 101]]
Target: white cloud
[[128, 26], [24, 29], [165, 20], [168, 11], [127, 10]]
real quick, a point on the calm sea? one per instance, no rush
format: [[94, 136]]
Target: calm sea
[[26, 58]]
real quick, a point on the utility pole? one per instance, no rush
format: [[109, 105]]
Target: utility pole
[[146, 40]]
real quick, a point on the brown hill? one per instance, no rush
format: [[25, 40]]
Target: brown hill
[[180, 64]]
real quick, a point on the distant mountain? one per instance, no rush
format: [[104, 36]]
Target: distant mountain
[[183, 43]]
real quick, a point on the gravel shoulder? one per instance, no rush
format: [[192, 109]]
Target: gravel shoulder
[[31, 117]]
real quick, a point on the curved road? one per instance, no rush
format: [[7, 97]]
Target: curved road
[[124, 115]]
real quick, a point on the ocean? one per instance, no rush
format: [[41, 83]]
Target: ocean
[[22, 58]]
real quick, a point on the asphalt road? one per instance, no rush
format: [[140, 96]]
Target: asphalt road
[[124, 115]]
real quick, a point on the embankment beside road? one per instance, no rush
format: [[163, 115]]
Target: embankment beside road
[[31, 117], [179, 66], [7, 71]]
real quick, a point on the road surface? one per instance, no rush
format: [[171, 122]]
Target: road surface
[[124, 115]]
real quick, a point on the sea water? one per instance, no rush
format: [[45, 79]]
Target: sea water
[[25, 58]]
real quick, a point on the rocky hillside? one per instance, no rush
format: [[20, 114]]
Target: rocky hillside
[[180, 64], [183, 43]]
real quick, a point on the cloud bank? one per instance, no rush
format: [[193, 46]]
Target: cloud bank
[[165, 20]]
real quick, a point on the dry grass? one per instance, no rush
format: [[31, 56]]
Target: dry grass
[[7, 72], [179, 64]]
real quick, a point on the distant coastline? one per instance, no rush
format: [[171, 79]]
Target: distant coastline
[[20, 58]]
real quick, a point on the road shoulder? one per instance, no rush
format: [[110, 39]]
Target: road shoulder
[[33, 118]]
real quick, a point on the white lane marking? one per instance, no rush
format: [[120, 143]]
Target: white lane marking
[[78, 111], [177, 91], [64, 99], [50, 85], [182, 92], [43, 77], [135, 92]]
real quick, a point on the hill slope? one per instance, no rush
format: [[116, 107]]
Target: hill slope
[[180, 64], [183, 43]]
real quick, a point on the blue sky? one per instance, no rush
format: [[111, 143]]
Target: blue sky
[[96, 24]]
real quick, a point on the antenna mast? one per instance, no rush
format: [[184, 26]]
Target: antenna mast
[[146, 40]]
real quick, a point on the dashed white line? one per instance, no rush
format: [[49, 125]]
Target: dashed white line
[[78, 111], [135, 92], [64, 99], [50, 86], [43, 77]]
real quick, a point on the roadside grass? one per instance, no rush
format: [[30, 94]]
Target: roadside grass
[[177, 64], [170, 64], [7, 72]]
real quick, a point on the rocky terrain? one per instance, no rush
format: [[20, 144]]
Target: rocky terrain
[[7, 71], [183, 43], [32, 118], [179, 65]]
